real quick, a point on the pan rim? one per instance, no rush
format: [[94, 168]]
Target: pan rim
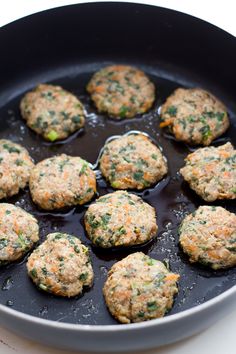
[[120, 327], [116, 2]]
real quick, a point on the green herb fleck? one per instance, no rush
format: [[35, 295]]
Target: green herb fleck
[[3, 243], [64, 115], [33, 273], [22, 241], [232, 249], [121, 231], [123, 111], [154, 156], [89, 190], [151, 261], [83, 276], [38, 123], [206, 132], [152, 306], [19, 162], [44, 270], [138, 175], [141, 314], [172, 110], [11, 148], [220, 116], [76, 119], [105, 219], [52, 113], [76, 249], [58, 236], [48, 95], [93, 223], [83, 168]]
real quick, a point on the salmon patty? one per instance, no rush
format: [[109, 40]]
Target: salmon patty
[[121, 91], [139, 288], [62, 181], [15, 167], [194, 116], [208, 236], [211, 172], [19, 232], [132, 162], [52, 112], [61, 265], [120, 219]]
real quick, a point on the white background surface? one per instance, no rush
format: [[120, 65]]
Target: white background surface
[[220, 338]]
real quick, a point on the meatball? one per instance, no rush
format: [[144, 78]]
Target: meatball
[[120, 219], [132, 162], [121, 91], [62, 181], [15, 166], [208, 236], [19, 232], [139, 288], [61, 265], [194, 116], [52, 112], [211, 172]]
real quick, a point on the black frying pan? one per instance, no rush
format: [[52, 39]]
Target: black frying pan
[[66, 46]]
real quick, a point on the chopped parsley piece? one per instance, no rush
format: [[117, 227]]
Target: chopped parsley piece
[[154, 156], [141, 314], [3, 243], [64, 115], [33, 273], [89, 190], [48, 95], [105, 218], [19, 162], [151, 261], [52, 113], [232, 249], [76, 249], [83, 276], [83, 168], [138, 175], [152, 306], [220, 116], [44, 270], [123, 111], [172, 110], [76, 119], [121, 231], [206, 132], [58, 236], [11, 148], [92, 222]]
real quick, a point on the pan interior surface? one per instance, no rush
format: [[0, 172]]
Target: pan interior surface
[[72, 68]]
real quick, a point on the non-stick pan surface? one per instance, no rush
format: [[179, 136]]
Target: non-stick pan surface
[[65, 46]]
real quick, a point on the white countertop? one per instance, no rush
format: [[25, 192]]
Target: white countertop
[[219, 338]]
